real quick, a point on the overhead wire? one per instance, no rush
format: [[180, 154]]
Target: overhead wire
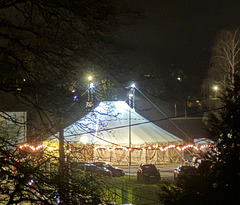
[[161, 112], [136, 124], [140, 123]]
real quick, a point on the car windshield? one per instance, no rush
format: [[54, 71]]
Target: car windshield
[[92, 168], [149, 168], [188, 169], [104, 165], [108, 165]]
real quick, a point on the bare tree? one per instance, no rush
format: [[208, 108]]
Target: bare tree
[[224, 67], [226, 58], [45, 50]]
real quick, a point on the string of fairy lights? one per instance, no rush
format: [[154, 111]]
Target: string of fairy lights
[[144, 148]]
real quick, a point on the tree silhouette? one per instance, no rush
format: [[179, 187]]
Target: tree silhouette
[[46, 50]]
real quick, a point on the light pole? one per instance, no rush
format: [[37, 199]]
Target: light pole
[[132, 93], [90, 101], [130, 131], [131, 104]]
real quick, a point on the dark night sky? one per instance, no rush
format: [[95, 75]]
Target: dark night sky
[[177, 32]]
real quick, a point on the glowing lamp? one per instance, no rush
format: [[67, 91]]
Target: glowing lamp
[[90, 78], [133, 85], [215, 87], [91, 85]]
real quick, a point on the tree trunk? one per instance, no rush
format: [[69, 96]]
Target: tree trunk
[[63, 183]]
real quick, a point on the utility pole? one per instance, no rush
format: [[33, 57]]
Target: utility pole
[[91, 98], [131, 104], [130, 138]]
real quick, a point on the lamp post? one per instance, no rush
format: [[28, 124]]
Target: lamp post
[[132, 93], [131, 104], [130, 132], [90, 101]]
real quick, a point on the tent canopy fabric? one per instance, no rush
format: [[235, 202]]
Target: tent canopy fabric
[[116, 123]]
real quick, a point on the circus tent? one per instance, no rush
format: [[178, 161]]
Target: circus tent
[[114, 125]]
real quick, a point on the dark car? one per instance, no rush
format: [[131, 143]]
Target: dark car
[[184, 173], [148, 172], [91, 168], [116, 172]]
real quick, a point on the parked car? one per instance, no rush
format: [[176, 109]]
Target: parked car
[[116, 172], [183, 173], [148, 172], [100, 171]]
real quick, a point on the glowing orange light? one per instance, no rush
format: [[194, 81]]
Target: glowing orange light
[[137, 147]]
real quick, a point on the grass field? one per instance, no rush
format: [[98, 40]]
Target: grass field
[[127, 190]]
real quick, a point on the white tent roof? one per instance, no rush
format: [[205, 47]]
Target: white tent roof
[[108, 124]]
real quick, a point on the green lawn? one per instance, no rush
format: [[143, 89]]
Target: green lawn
[[128, 190]]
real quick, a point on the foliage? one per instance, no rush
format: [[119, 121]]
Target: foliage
[[86, 184], [170, 193], [223, 124], [46, 48], [221, 185], [225, 130], [23, 176], [33, 176]]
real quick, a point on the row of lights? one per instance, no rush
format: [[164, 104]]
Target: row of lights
[[91, 86], [38, 148], [154, 147], [180, 148]]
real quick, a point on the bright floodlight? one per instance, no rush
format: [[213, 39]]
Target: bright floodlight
[[133, 85], [130, 95], [215, 87], [91, 85], [90, 78]]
